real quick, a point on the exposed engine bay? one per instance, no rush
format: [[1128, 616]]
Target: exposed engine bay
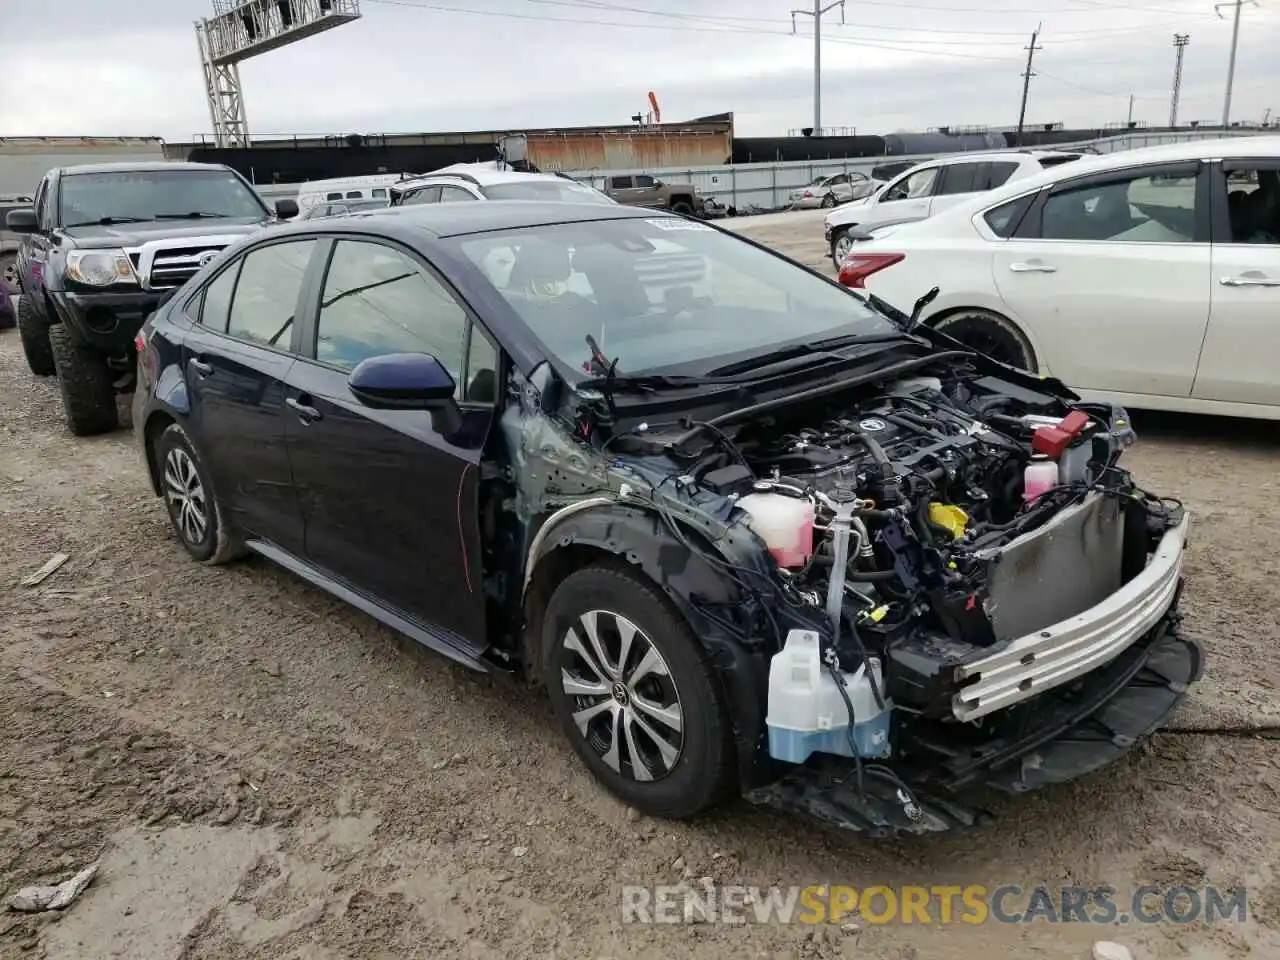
[[937, 533]]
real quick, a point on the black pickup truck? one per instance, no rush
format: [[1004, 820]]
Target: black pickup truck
[[102, 246]]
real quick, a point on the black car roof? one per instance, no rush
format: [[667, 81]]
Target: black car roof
[[139, 166], [459, 219]]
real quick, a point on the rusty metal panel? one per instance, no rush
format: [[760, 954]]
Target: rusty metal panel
[[623, 149]]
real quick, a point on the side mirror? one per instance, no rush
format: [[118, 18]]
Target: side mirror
[[22, 220], [408, 381], [286, 209]]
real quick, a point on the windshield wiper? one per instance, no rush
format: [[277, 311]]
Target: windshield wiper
[[193, 215], [108, 221], [807, 352]]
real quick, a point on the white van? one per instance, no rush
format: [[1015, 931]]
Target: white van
[[375, 187], [931, 187]]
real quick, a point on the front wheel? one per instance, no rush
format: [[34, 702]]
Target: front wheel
[[991, 334], [634, 694], [841, 244]]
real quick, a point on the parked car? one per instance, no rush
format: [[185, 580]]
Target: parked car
[[1150, 277], [831, 191], [742, 539], [101, 247], [339, 208], [929, 188], [489, 181]]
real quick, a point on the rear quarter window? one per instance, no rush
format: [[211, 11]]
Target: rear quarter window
[[1004, 219]]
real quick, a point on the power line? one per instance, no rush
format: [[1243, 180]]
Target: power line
[[1026, 85], [1069, 36], [1180, 41], [868, 44]]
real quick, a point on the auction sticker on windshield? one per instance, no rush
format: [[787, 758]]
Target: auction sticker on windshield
[[674, 224]]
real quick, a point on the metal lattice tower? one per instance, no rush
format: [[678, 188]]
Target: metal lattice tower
[[1180, 41], [240, 29]]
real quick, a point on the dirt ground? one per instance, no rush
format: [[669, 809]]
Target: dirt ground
[[266, 773]]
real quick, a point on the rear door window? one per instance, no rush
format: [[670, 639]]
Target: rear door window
[[265, 301], [1137, 207]]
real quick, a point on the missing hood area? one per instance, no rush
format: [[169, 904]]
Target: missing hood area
[[911, 588]]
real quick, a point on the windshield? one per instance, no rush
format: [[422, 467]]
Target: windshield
[[156, 194], [660, 293], [549, 189]]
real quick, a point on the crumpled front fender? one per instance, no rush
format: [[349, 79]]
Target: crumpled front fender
[[694, 585]]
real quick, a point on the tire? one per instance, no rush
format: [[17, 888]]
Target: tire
[[88, 397], [841, 243], [34, 334], [829, 200], [991, 334], [695, 771], [682, 208], [193, 509]]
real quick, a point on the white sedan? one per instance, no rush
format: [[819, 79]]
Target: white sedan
[[1149, 277]]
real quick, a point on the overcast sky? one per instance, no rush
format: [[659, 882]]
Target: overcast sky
[[71, 67]]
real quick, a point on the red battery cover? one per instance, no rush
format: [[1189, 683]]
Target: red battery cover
[[1051, 441]]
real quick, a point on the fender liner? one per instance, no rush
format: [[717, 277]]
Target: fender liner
[[692, 584]]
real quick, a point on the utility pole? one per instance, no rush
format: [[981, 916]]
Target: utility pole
[[1231, 64], [1180, 41], [1026, 83], [1129, 124], [817, 12]]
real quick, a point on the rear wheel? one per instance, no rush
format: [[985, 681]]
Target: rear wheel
[[829, 200], [34, 333], [682, 208], [188, 497], [88, 396], [991, 334], [634, 694]]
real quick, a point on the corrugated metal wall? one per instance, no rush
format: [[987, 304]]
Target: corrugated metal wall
[[25, 160]]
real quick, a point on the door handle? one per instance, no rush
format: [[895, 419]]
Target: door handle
[[306, 413], [1248, 281], [202, 368], [1032, 266]]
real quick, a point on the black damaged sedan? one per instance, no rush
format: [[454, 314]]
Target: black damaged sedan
[[755, 533]]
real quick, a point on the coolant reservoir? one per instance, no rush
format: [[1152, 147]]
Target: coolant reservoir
[[1040, 477], [784, 523], [808, 715]]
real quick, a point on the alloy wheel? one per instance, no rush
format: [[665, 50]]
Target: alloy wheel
[[624, 699], [844, 243], [185, 496]]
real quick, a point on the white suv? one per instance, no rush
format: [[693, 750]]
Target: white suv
[[932, 187], [480, 181]]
